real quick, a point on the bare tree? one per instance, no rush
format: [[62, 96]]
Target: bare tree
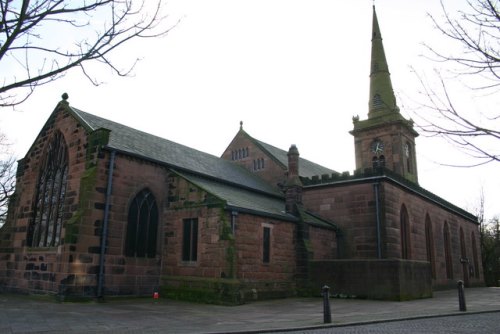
[[7, 186], [7, 177], [477, 64], [41, 40]]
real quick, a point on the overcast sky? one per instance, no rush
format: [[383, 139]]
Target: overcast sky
[[295, 72]]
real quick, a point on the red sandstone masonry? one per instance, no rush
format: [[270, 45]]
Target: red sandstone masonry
[[355, 215]]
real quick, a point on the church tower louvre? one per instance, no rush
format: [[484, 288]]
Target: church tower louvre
[[386, 139]]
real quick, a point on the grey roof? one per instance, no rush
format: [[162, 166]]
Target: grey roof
[[257, 203], [230, 182], [306, 168], [242, 199], [138, 143], [312, 219]]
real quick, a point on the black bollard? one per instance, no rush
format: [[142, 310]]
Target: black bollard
[[327, 314], [461, 297]]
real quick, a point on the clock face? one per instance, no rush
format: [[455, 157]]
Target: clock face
[[377, 147]]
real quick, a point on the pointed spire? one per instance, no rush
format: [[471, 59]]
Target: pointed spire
[[382, 99]]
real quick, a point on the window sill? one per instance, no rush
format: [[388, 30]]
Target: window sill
[[55, 249], [189, 263]]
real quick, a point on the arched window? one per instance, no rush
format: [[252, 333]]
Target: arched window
[[381, 161], [405, 233], [463, 257], [429, 243], [142, 225], [463, 250], [408, 156], [45, 226], [474, 255], [378, 162], [447, 251]]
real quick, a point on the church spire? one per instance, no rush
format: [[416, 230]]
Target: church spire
[[382, 100]]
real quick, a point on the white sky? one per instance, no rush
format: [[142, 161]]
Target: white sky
[[294, 71]]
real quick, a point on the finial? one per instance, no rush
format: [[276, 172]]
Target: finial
[[64, 99], [241, 125]]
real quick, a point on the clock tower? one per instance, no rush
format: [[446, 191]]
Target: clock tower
[[386, 139]]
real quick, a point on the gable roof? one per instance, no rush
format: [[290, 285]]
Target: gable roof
[[137, 143], [307, 168]]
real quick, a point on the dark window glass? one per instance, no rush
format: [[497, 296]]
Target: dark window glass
[[381, 162], [474, 254], [190, 240], [429, 242], [142, 225], [266, 245], [447, 251], [45, 226], [405, 234]]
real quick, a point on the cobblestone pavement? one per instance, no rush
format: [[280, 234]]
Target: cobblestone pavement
[[27, 314], [483, 323]]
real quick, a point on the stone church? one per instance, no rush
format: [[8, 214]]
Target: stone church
[[102, 209]]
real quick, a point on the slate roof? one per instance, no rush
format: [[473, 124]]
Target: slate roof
[[238, 198], [141, 144], [306, 168], [312, 219], [236, 186], [255, 203]]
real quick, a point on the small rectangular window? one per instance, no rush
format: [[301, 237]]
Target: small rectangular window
[[266, 244], [190, 240]]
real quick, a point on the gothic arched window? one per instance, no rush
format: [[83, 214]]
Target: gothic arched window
[[429, 243], [408, 157], [474, 255], [45, 226], [142, 225], [405, 233], [447, 251]]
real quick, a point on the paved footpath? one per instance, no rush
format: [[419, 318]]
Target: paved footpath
[[25, 314]]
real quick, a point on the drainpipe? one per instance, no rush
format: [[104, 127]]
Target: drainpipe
[[376, 188], [104, 232]]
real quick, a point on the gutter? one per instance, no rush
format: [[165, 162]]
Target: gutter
[[104, 232]]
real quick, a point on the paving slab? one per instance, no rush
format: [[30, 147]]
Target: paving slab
[[28, 314]]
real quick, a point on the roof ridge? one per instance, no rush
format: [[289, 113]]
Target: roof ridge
[[138, 143]]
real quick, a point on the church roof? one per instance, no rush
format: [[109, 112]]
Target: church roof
[[248, 201], [240, 189], [307, 168], [239, 199], [183, 158]]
